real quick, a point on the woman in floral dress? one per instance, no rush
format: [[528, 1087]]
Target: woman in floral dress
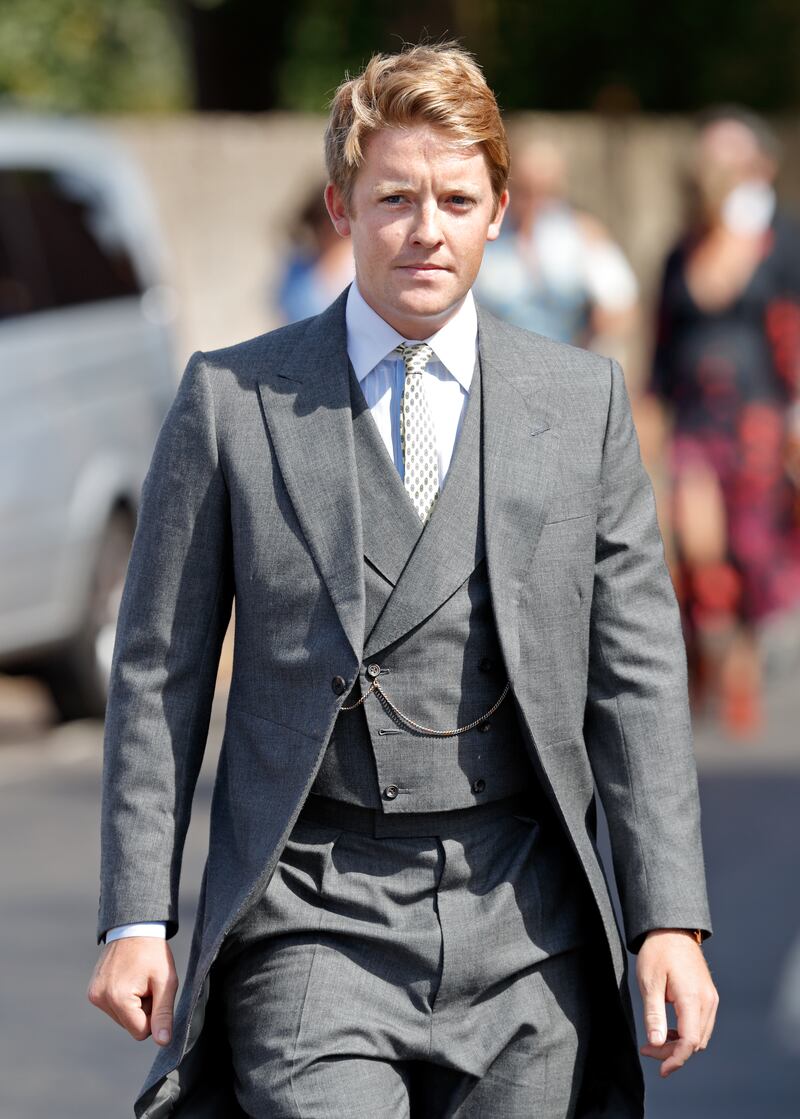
[[727, 369]]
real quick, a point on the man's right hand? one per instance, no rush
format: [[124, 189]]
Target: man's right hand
[[134, 982]]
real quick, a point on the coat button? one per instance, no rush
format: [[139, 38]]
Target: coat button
[[339, 685], [373, 670], [486, 665], [479, 785], [485, 726], [390, 792]]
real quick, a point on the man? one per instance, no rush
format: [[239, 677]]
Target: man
[[453, 617]]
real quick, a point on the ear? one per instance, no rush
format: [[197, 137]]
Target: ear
[[337, 209], [493, 231]]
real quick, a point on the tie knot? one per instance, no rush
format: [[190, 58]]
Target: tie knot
[[415, 356]]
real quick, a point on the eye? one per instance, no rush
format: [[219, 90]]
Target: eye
[[394, 199], [461, 201]]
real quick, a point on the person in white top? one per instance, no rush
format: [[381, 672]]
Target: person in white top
[[556, 268]]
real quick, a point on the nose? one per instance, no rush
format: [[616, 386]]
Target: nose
[[427, 230]]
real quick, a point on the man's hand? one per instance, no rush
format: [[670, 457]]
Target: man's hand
[[671, 968], [134, 982]]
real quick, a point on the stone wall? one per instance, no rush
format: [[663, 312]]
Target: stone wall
[[226, 186]]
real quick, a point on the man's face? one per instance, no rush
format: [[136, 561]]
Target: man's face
[[420, 212]]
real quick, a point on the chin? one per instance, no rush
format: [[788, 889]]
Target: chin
[[426, 304]]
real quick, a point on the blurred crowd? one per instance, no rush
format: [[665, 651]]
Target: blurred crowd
[[718, 407]]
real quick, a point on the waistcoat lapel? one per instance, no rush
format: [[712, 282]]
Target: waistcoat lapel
[[391, 526], [449, 547]]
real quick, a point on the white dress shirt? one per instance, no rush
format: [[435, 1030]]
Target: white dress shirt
[[447, 379]]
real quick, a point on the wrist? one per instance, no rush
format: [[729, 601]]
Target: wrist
[[695, 934], [157, 929]]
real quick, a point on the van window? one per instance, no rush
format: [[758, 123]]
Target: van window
[[59, 243]]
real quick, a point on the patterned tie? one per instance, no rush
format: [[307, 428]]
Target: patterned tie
[[417, 433]]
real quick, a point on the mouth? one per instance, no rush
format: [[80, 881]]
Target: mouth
[[422, 268]]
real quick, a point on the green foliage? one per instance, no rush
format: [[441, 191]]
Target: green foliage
[[578, 55], [326, 38], [155, 55], [667, 58], [91, 56]]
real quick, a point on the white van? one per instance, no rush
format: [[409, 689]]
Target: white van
[[87, 372]]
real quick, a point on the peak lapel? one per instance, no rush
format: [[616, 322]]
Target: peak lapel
[[307, 410], [520, 441], [451, 544]]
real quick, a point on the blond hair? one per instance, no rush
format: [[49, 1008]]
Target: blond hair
[[438, 84]]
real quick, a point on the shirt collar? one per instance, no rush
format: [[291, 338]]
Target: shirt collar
[[370, 338]]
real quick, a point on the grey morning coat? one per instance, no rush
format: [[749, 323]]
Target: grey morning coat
[[253, 492]]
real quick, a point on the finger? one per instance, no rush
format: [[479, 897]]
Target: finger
[[98, 996], [109, 1010], [112, 1014], [659, 1052], [708, 1028], [131, 1015], [655, 1011], [687, 1011], [163, 1000], [680, 1054]]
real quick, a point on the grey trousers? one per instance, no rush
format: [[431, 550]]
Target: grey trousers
[[428, 977]]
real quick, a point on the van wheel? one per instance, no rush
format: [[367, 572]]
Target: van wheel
[[78, 676]]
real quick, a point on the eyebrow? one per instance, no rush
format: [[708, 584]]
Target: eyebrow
[[389, 187]]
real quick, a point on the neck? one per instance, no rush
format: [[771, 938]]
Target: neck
[[416, 328]]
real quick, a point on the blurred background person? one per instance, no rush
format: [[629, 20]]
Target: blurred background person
[[555, 268], [319, 264], [725, 368]]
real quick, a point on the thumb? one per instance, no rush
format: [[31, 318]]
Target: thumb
[[163, 995], [655, 1014]]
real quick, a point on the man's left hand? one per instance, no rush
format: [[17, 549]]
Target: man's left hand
[[671, 968]]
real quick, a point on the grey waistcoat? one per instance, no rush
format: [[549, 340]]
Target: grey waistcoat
[[446, 672]]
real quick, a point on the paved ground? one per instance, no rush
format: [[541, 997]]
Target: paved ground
[[60, 1057]]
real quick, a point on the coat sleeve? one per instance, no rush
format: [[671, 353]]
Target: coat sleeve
[[637, 725], [175, 609]]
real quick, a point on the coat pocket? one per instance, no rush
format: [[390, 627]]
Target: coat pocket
[[579, 504]]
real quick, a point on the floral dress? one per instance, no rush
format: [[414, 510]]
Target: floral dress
[[730, 377]]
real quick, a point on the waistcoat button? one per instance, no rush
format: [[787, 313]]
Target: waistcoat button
[[485, 726], [373, 670], [339, 684], [486, 664], [479, 785], [390, 792]]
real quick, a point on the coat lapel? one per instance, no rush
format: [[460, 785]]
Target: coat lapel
[[507, 488], [451, 544], [307, 409], [520, 444], [391, 525]]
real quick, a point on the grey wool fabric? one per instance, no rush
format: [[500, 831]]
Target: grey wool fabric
[[475, 965], [253, 492], [446, 670]]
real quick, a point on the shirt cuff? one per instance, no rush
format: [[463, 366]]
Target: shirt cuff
[[157, 929]]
